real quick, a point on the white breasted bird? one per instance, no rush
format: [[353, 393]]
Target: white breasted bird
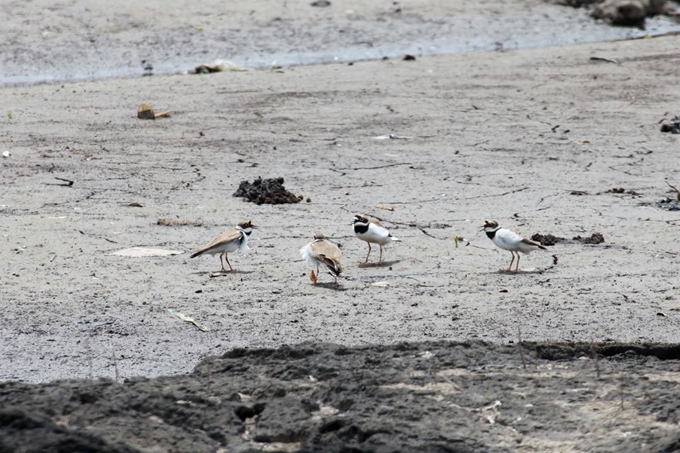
[[322, 252], [228, 242], [372, 232], [510, 241]]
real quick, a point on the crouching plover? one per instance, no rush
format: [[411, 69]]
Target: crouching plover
[[322, 252], [372, 232], [510, 241], [227, 242]]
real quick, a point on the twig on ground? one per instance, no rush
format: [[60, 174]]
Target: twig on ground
[[426, 233], [608, 60], [381, 166], [540, 121], [68, 182], [497, 195]]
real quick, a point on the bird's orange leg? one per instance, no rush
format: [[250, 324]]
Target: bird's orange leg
[[367, 255], [509, 269]]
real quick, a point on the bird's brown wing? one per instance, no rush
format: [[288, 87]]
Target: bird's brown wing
[[530, 242], [376, 222], [227, 236], [328, 254]]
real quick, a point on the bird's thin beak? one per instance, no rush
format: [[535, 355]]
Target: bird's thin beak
[[482, 228]]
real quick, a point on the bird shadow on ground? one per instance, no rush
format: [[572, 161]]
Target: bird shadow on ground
[[529, 271], [383, 264], [221, 274], [330, 285]]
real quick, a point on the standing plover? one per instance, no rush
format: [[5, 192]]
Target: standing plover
[[322, 252], [372, 232], [227, 242], [510, 241]]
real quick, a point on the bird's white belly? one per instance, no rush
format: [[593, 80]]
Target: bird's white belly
[[513, 244], [504, 243], [229, 247], [374, 237]]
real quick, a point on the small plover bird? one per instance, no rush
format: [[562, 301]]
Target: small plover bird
[[372, 232], [510, 241], [228, 242], [322, 252]]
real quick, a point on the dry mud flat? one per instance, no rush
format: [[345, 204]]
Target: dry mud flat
[[543, 140], [427, 397]]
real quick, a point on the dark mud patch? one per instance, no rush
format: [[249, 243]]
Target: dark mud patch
[[547, 239], [623, 191], [266, 191], [593, 239], [427, 397]]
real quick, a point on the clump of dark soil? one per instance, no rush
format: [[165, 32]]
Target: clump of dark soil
[[672, 126], [266, 191], [621, 190], [426, 397], [547, 239], [595, 238]]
